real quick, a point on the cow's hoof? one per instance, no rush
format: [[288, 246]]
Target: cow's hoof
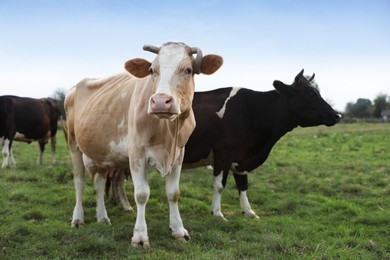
[[140, 244], [77, 223], [128, 209], [186, 238], [140, 240], [219, 215], [181, 234], [105, 221], [250, 214]]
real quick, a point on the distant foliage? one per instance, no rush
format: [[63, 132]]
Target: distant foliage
[[365, 108], [59, 95]]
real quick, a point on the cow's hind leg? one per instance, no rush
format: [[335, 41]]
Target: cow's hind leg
[[242, 186], [41, 150], [101, 212], [118, 191], [173, 192], [53, 143], [78, 181]]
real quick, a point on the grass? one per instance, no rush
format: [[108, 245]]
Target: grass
[[324, 193]]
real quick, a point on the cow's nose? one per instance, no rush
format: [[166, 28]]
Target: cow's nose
[[161, 103], [337, 117]]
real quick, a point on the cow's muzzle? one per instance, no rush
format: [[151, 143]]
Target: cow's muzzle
[[163, 106]]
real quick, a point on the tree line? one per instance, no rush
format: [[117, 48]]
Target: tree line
[[365, 108]]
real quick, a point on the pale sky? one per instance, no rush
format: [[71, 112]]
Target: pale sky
[[50, 44]]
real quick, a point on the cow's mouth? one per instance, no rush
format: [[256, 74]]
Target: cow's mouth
[[164, 115]]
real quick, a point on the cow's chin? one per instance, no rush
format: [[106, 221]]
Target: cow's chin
[[168, 116]]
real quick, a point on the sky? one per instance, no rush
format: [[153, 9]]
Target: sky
[[49, 45]]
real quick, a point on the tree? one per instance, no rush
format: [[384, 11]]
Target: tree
[[362, 108], [59, 95], [381, 102]]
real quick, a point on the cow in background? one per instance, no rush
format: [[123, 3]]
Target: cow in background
[[27, 120], [236, 129], [137, 120]]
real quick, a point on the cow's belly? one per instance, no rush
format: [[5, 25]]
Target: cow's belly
[[22, 138]]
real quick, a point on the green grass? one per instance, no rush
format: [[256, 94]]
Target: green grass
[[324, 193]]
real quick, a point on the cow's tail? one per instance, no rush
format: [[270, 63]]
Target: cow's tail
[[64, 129]]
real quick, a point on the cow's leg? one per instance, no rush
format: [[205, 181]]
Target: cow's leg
[[53, 143], [217, 193], [41, 150], [242, 186], [173, 192], [118, 191], [141, 196], [11, 158], [78, 181], [6, 152], [101, 212]]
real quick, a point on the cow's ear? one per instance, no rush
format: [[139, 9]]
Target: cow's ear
[[283, 88], [138, 67], [210, 64]]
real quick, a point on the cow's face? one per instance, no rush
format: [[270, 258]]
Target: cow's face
[[306, 105], [172, 76]]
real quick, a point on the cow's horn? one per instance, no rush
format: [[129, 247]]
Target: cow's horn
[[312, 77], [151, 48], [297, 77], [198, 59]]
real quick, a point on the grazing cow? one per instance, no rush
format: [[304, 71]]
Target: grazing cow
[[133, 121], [236, 129], [27, 120]]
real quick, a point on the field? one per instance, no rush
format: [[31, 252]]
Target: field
[[323, 193]]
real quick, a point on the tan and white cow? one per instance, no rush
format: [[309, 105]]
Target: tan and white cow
[[139, 118]]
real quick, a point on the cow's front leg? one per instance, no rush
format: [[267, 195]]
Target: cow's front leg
[[173, 193], [141, 195], [101, 212], [218, 188], [242, 186], [6, 152]]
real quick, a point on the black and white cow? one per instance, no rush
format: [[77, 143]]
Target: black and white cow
[[27, 119], [236, 129]]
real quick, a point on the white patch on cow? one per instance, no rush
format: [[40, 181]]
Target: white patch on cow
[[118, 150], [245, 206], [234, 169], [217, 192], [233, 92], [122, 123], [170, 58], [5, 152]]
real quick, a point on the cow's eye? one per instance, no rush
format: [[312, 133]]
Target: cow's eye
[[188, 71]]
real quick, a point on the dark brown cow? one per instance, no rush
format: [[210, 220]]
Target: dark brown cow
[[27, 120]]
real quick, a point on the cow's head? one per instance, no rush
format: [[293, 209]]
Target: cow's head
[[172, 76], [307, 106]]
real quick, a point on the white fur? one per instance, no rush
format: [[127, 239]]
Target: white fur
[[217, 192], [245, 206], [170, 58], [233, 92]]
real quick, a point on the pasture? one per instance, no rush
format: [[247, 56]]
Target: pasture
[[323, 193]]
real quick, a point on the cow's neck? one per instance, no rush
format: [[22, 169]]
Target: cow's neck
[[269, 128]]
